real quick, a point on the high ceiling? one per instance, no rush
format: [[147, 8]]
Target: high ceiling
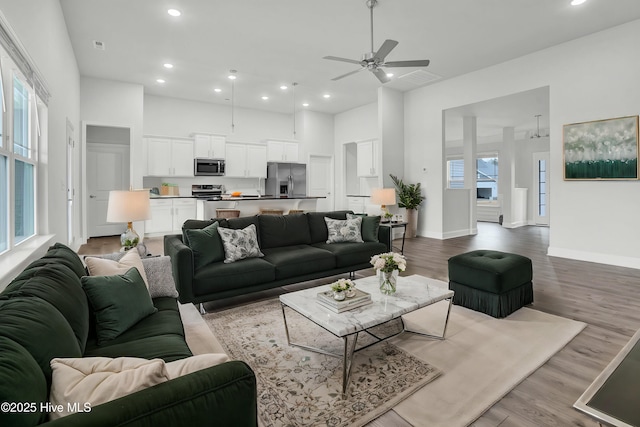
[[276, 42]]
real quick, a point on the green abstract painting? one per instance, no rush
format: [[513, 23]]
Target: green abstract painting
[[602, 149]]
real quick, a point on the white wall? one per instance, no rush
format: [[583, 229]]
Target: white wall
[[41, 28], [594, 77], [391, 131]]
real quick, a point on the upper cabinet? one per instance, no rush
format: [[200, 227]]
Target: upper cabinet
[[246, 160], [169, 157], [368, 158], [283, 151], [209, 146]]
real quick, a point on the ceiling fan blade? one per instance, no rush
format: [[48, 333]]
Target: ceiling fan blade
[[381, 75], [336, 58], [348, 74], [417, 63], [384, 50]]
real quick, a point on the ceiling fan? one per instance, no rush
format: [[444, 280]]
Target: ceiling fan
[[373, 61]]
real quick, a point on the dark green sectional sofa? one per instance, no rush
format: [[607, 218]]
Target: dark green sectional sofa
[[44, 314], [295, 250]]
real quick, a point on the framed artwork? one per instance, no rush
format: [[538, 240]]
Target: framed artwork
[[601, 150]]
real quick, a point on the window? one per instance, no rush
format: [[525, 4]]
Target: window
[[4, 204], [486, 179], [21, 140]]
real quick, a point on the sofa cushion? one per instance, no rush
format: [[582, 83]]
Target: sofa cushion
[[197, 224], [168, 347], [370, 226], [349, 253], [98, 266], [291, 261], [22, 381], [283, 230], [347, 230], [205, 244], [40, 328], [317, 226], [118, 302], [240, 244], [59, 286], [67, 256], [220, 277]]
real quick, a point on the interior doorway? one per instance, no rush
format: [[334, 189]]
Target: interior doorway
[[321, 181], [107, 168]]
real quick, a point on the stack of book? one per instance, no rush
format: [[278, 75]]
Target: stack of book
[[326, 300]]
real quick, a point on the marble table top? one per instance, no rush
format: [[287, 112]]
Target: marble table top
[[413, 292]]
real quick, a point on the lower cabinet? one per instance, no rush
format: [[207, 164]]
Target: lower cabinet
[[168, 215]]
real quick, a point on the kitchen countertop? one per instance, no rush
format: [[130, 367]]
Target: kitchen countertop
[[237, 199]]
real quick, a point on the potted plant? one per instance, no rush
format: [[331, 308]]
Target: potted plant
[[409, 197]]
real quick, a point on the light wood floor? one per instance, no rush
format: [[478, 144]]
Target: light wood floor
[[607, 298]]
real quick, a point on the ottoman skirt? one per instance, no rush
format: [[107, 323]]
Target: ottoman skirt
[[496, 305]]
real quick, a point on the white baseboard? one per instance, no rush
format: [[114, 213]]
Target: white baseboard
[[514, 224], [617, 260], [459, 233]]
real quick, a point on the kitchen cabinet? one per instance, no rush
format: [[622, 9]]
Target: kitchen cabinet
[[357, 204], [367, 158], [246, 161], [169, 157], [168, 215], [209, 146], [283, 151]]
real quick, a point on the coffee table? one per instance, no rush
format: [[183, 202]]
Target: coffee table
[[413, 292]]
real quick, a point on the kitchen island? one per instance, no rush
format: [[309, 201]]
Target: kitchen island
[[206, 209]]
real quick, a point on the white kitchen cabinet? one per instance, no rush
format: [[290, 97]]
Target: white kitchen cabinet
[[168, 215], [209, 146], [246, 161], [169, 157], [357, 204], [367, 158], [283, 151]]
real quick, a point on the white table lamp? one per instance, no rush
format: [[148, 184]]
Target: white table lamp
[[128, 206], [383, 197]]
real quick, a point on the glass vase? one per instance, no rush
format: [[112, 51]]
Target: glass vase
[[388, 281]]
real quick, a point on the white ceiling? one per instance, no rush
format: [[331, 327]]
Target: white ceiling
[[277, 42]]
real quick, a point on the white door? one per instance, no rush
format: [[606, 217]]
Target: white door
[[107, 169], [321, 181], [541, 188]]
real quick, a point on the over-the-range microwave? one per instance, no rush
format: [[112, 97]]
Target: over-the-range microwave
[[208, 167]]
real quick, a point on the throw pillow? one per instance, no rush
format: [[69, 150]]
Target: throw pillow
[[205, 244], [106, 267], [344, 230], [118, 302], [97, 380], [160, 276], [240, 244], [188, 365], [369, 228]]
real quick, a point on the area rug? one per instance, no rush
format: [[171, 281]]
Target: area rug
[[302, 388]]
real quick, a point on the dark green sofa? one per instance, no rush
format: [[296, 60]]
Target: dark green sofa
[[45, 314], [295, 250]]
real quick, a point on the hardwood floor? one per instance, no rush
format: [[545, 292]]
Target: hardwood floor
[[607, 298]]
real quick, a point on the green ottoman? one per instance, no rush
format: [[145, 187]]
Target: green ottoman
[[492, 282]]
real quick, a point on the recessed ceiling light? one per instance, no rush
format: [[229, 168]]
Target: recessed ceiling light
[[167, 65], [174, 12], [283, 87], [160, 80], [577, 2], [326, 95], [305, 104], [232, 77], [389, 74], [265, 98], [217, 90]]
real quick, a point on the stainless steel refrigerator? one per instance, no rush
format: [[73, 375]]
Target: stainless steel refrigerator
[[286, 179]]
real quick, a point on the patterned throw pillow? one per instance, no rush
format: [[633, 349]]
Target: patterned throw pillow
[[240, 244], [344, 230]]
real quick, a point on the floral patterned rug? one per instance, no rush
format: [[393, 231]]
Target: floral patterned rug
[[297, 387]]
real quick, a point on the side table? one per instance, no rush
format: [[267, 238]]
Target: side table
[[397, 224]]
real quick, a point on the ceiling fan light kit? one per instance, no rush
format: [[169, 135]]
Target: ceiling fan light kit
[[373, 61]]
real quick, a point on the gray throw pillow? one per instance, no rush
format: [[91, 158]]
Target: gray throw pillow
[[160, 277], [344, 230], [240, 244]]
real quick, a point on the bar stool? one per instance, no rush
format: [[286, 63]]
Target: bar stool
[[295, 211], [227, 213], [271, 212]]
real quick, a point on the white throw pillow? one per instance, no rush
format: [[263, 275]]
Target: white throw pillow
[[239, 244], [347, 230], [97, 380], [107, 267]]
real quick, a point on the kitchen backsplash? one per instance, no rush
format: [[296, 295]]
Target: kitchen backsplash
[[245, 185]]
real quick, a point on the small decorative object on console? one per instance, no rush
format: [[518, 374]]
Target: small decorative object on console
[[327, 299], [388, 265], [343, 288]]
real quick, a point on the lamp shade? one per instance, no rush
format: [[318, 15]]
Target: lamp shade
[[383, 196], [128, 206]]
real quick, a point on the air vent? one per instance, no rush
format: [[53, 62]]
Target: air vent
[[419, 77], [98, 45]]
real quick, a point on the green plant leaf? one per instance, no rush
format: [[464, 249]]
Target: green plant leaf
[[409, 195]]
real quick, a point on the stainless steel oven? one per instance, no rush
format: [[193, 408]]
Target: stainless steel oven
[[208, 167]]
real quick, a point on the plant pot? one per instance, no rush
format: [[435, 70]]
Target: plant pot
[[412, 223], [339, 296]]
